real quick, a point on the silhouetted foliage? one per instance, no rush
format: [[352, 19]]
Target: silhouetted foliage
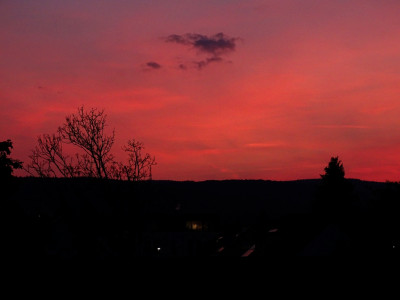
[[7, 164], [86, 130], [334, 197], [334, 172]]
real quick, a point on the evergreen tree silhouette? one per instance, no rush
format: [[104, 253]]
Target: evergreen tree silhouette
[[334, 198], [334, 172]]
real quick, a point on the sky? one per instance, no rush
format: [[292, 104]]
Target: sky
[[221, 89]]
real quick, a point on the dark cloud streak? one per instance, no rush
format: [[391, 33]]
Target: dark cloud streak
[[179, 39], [204, 63], [182, 67], [215, 45], [153, 65]]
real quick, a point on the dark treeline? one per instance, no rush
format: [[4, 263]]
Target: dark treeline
[[103, 209], [90, 218]]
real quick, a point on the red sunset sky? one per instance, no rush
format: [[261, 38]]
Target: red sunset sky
[[215, 89]]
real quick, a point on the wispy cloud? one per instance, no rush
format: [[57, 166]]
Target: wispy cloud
[[343, 126], [264, 145], [203, 63]]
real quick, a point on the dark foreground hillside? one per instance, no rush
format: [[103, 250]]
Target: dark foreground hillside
[[96, 219]]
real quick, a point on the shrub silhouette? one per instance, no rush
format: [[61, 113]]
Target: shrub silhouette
[[7, 164]]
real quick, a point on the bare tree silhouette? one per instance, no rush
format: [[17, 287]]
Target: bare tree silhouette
[[87, 131], [139, 165], [48, 159]]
